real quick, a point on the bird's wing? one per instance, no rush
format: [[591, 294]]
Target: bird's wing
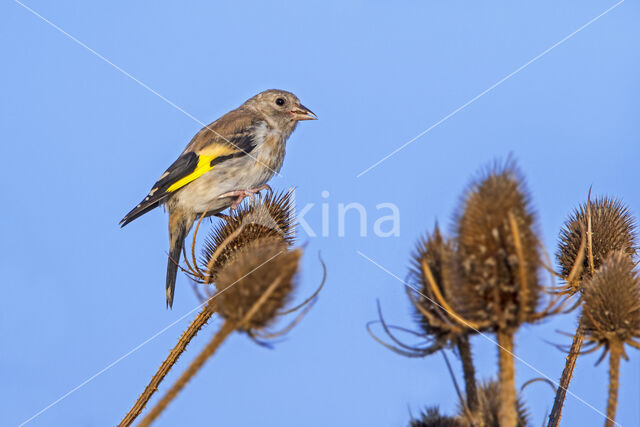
[[208, 148]]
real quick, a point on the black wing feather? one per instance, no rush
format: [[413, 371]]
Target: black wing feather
[[182, 167]]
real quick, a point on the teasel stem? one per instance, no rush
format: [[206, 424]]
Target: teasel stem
[[168, 363], [565, 379], [615, 351], [226, 329], [469, 372], [223, 333], [183, 342], [507, 414]]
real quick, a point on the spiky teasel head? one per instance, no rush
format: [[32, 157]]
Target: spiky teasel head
[[431, 417], [489, 400], [498, 250], [273, 216], [612, 228], [611, 307], [264, 264], [435, 273]]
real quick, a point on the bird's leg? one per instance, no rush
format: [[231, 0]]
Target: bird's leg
[[262, 187], [241, 194]]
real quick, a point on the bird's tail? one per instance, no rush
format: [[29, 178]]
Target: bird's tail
[[178, 230]]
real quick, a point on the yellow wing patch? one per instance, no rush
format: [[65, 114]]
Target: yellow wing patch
[[204, 166]]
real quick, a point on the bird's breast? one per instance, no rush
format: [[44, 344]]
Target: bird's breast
[[270, 149]]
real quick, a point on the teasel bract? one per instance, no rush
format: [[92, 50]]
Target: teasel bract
[[611, 317], [498, 249]]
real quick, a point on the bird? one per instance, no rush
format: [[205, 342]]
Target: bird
[[232, 158]]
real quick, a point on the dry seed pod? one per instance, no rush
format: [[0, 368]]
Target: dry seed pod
[[271, 217], [498, 250], [431, 417], [611, 317], [489, 397], [612, 227], [439, 256], [611, 308], [246, 276]]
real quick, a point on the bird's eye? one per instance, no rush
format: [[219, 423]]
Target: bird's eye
[[280, 101]]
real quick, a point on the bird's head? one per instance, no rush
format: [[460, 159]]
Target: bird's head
[[281, 107]]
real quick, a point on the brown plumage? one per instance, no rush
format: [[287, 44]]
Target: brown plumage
[[232, 158]]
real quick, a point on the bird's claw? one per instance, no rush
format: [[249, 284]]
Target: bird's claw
[[241, 194]]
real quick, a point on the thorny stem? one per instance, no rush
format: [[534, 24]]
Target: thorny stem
[[614, 377], [168, 363], [227, 328], [455, 385], [565, 379], [507, 414], [469, 371]]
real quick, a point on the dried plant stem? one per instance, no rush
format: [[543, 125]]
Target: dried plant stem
[[565, 379], [469, 372], [225, 330], [168, 363], [507, 415], [615, 352]]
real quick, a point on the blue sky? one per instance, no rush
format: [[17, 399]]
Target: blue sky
[[82, 143]]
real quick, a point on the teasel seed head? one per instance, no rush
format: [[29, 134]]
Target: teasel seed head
[[438, 255], [611, 307], [489, 399], [247, 275], [612, 228], [498, 250], [431, 417], [272, 217]]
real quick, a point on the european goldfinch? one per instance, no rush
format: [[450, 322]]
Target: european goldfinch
[[232, 158]]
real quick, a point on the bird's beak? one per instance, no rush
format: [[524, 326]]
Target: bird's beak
[[303, 113]]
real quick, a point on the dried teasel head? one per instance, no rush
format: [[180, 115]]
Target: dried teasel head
[[612, 228], [611, 307], [245, 278], [489, 400], [435, 272], [273, 216], [431, 417], [498, 250]]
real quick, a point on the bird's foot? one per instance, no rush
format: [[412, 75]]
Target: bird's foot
[[241, 194]]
